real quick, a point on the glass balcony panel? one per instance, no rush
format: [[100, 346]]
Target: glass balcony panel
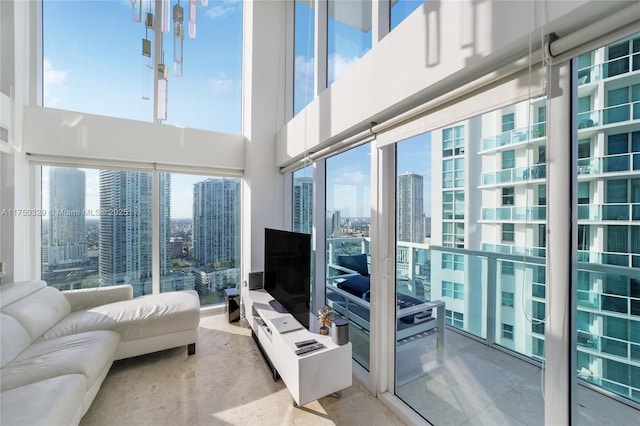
[[615, 259], [616, 114], [616, 163], [636, 161], [636, 110], [504, 176], [614, 304], [503, 139], [615, 211], [488, 143], [587, 340], [588, 299], [519, 213], [588, 119], [488, 214], [614, 347], [503, 213]]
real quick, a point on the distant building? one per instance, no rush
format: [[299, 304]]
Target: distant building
[[333, 229], [410, 207], [67, 228], [303, 204], [216, 222]]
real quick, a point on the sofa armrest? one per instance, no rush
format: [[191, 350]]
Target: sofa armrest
[[91, 297]]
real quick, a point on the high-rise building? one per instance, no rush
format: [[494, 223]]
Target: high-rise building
[[125, 228], [499, 161], [216, 222], [67, 228], [410, 199], [303, 204], [165, 221], [333, 227]]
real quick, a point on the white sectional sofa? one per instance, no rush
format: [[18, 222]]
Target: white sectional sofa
[[57, 347]]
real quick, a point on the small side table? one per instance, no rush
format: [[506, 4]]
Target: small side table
[[232, 304]]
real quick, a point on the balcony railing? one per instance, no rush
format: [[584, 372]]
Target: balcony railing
[[515, 250], [612, 68], [514, 213], [518, 174], [485, 272], [613, 114], [522, 134], [630, 260], [611, 211]]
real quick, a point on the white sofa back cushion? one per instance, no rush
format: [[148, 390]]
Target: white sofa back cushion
[[39, 311], [14, 338], [15, 291]]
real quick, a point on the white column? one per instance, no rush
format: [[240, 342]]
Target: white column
[[560, 353]]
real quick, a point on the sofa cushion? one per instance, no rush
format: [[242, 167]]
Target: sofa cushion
[[39, 311], [14, 338], [142, 317], [355, 262], [357, 285], [55, 401], [15, 291], [85, 353]]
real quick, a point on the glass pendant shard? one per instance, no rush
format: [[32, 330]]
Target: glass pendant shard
[[166, 16], [149, 20], [178, 39], [136, 10], [193, 17], [146, 47]]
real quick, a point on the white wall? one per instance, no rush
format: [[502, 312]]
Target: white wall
[[263, 114], [74, 134], [438, 47]]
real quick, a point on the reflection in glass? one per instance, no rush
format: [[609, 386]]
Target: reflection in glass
[[349, 35], [348, 218]]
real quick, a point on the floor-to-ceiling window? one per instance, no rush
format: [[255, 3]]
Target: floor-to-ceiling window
[[608, 278], [199, 234], [96, 228], [474, 194], [302, 212], [97, 231], [348, 219]]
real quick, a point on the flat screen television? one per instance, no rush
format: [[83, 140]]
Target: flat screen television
[[287, 271]]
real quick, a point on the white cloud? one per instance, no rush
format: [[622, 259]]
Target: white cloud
[[221, 83], [222, 10], [53, 79], [304, 68], [338, 64], [352, 177]]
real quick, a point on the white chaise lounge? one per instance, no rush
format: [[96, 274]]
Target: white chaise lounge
[[57, 347]]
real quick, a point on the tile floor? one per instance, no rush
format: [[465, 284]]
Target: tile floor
[[225, 383]]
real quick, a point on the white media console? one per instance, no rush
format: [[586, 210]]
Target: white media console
[[309, 376]]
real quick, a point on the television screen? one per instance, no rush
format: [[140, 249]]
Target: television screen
[[287, 271]]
